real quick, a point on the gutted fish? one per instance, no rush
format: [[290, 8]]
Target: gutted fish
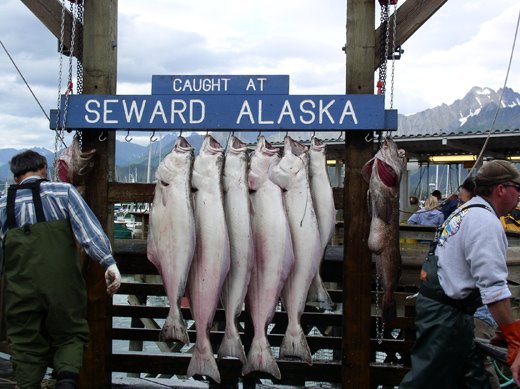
[[291, 174], [73, 164], [171, 235], [274, 257], [383, 174], [212, 257], [323, 200], [238, 217]]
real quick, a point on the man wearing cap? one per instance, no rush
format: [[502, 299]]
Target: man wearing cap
[[465, 268]]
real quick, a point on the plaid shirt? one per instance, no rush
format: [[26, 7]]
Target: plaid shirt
[[62, 201]]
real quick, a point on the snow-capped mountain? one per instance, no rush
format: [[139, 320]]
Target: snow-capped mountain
[[474, 112]]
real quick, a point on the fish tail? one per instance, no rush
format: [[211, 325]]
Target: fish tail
[[389, 310], [203, 362], [174, 329], [318, 296], [260, 358], [231, 346], [294, 344]]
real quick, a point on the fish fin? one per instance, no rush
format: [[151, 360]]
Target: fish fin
[[260, 358], [295, 345], [231, 346], [174, 329], [203, 363], [318, 296]]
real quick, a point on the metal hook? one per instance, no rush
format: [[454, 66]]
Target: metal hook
[[127, 136], [151, 138], [369, 140], [180, 133], [259, 134], [102, 136]]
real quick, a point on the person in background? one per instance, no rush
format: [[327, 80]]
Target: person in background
[[413, 207], [429, 216], [466, 190], [437, 193], [465, 267], [449, 205], [45, 294]]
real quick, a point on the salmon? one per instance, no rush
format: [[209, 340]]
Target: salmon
[[274, 257], [171, 234], [238, 216], [323, 200], [383, 174], [291, 174], [212, 253]]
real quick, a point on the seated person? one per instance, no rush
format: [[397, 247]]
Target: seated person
[[412, 208], [429, 215]]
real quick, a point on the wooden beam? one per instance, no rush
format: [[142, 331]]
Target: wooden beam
[[410, 16], [100, 76], [49, 12], [357, 271]]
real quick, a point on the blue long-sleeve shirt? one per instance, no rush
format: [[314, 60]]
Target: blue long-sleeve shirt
[[61, 201]]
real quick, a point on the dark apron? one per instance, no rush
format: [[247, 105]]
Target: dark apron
[[45, 294]]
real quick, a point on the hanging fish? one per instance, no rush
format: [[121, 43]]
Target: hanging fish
[[211, 261], [323, 200], [383, 174], [73, 165], [171, 234], [291, 174], [238, 218], [274, 257]]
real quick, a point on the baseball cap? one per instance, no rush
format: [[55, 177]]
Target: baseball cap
[[497, 172]]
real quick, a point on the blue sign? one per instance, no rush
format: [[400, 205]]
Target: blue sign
[[214, 112], [220, 84]]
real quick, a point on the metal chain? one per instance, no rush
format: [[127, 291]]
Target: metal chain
[[394, 34], [59, 130], [79, 70], [382, 67], [71, 58], [380, 324]]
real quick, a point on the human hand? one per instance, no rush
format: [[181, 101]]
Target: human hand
[[112, 279], [515, 369]]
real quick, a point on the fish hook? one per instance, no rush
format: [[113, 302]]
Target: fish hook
[[127, 136], [152, 140], [102, 136]]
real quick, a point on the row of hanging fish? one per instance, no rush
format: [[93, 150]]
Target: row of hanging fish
[[241, 228]]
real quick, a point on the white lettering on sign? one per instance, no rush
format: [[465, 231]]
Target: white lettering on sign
[[198, 85], [191, 111], [348, 110], [252, 85], [307, 112], [133, 111], [90, 107]]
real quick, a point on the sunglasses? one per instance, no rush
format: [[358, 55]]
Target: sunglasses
[[516, 186]]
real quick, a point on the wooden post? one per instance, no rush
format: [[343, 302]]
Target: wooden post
[[360, 50], [100, 66]]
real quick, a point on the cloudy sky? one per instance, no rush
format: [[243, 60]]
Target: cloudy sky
[[466, 43]]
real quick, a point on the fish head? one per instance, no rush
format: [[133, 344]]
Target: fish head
[[264, 156], [388, 163], [235, 164], [295, 156], [174, 167], [317, 152], [74, 164], [210, 158]]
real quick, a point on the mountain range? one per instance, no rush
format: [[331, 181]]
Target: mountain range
[[474, 112]]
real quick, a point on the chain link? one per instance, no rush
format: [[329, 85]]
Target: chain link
[[79, 70], [380, 324], [384, 48], [394, 37]]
